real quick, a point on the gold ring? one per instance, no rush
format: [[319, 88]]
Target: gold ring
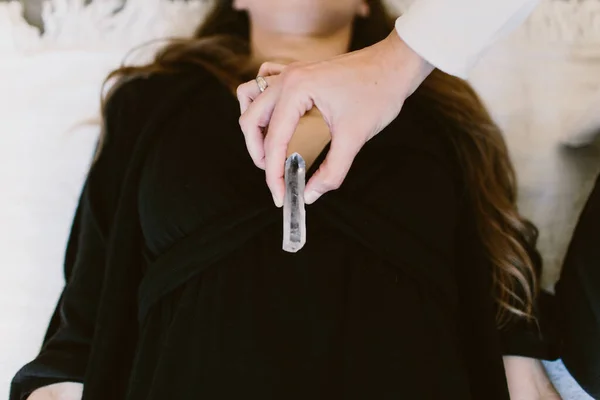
[[262, 83]]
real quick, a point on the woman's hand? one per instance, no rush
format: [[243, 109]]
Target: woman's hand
[[58, 391], [527, 379], [358, 94]]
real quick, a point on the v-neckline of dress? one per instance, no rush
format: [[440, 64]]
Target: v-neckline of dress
[[318, 161]]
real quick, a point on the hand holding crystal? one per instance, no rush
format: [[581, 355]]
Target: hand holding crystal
[[358, 95]]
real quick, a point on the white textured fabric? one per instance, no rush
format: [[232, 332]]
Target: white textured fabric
[[452, 35], [568, 388], [537, 82]]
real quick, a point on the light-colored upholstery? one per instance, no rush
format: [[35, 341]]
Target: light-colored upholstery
[[536, 83]]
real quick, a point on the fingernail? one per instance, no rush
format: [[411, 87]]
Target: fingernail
[[311, 197], [278, 203]]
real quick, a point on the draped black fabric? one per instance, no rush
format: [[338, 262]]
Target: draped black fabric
[[578, 298], [179, 288]]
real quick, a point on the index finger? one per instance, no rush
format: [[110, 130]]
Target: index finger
[[249, 91], [254, 121], [270, 68], [290, 107]]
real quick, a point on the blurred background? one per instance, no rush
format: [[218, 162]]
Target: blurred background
[[541, 83]]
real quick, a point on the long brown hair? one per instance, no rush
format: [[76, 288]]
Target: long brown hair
[[221, 45]]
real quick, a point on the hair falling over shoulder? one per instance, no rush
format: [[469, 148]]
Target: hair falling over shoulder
[[221, 46]]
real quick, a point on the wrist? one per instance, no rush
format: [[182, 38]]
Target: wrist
[[409, 68]]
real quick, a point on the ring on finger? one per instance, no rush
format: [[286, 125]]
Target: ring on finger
[[262, 83]]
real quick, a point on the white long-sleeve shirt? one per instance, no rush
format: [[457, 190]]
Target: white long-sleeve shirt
[[452, 34]]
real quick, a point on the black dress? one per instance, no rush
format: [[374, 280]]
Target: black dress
[[179, 288], [578, 299]]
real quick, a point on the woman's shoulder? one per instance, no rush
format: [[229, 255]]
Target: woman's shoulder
[[146, 92], [140, 101], [135, 104]]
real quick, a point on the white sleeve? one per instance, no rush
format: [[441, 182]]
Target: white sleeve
[[452, 34]]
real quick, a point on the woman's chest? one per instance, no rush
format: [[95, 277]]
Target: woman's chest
[[198, 171]]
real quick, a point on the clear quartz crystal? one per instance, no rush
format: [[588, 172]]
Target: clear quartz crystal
[[294, 214]]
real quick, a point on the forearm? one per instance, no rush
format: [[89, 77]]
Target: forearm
[[527, 379], [452, 35]]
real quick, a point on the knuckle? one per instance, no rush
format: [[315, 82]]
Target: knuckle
[[270, 68], [243, 121], [240, 90], [266, 66]]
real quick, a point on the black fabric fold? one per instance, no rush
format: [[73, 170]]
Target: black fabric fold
[[197, 252]]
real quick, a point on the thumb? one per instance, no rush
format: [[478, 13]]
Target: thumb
[[335, 167]]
